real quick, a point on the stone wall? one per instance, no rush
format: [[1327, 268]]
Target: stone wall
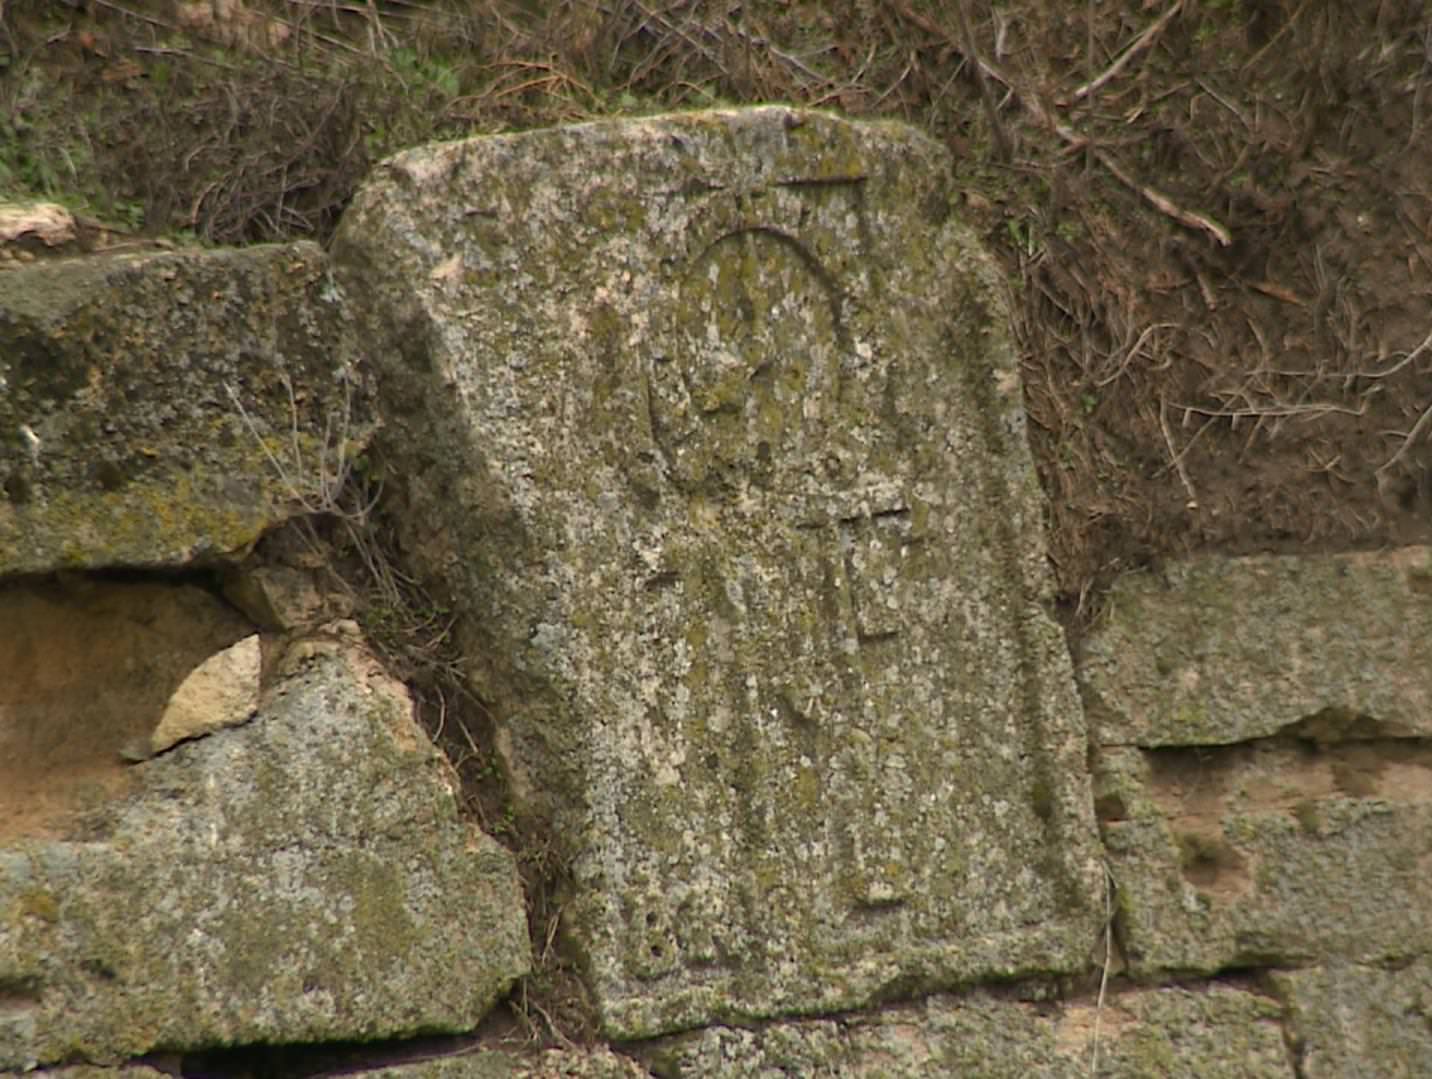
[[711, 427]]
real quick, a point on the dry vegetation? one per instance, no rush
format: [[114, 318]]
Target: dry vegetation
[[1216, 214]]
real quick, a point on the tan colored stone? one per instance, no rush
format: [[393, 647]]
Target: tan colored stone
[[304, 877], [223, 691], [47, 222]]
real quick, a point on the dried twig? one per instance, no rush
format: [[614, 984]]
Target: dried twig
[[1003, 149], [1278, 292], [1252, 61], [556, 1030], [1134, 350], [1411, 357], [1317, 408], [1030, 102], [1165, 205], [1108, 962], [1139, 44], [1175, 456], [192, 57], [122, 10], [1408, 440]]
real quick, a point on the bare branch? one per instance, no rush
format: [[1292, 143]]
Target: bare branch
[[1030, 102], [1165, 205], [1175, 456], [1408, 440], [1140, 43]]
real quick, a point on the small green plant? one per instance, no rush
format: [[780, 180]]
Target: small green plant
[[431, 73], [1022, 237]]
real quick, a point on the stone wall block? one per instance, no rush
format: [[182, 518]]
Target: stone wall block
[[1265, 779], [1348, 1019], [1215, 1031], [304, 877], [165, 408], [713, 425], [1221, 650]]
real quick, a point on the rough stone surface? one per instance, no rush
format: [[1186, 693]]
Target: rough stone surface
[[1265, 790], [1278, 852], [594, 1063], [122, 445], [1218, 650], [1371, 1022], [87, 668], [223, 691], [90, 1071], [1140, 1033], [301, 878], [713, 425], [276, 597]]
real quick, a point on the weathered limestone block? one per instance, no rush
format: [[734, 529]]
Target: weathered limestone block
[[1218, 650], [712, 424], [1360, 1021], [1265, 789], [597, 1062], [304, 877], [1217, 1031], [1277, 852], [165, 408], [89, 670]]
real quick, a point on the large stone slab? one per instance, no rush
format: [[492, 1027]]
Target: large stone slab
[[596, 1062], [1275, 853], [713, 426], [1265, 786], [1350, 1020], [1205, 1032], [304, 877], [166, 408], [1216, 650]]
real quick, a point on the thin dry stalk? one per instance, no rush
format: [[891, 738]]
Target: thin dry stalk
[[1003, 148], [1108, 962], [1408, 440], [1176, 457], [1073, 140], [1411, 357], [1134, 350], [1255, 410], [1165, 205], [1139, 44]]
